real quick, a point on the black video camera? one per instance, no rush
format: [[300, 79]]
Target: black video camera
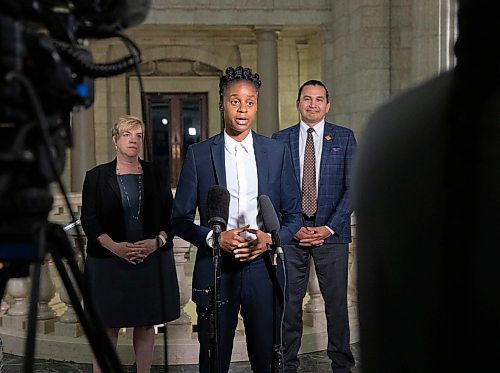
[[45, 72]]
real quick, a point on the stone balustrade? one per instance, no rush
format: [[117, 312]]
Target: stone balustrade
[[60, 335]]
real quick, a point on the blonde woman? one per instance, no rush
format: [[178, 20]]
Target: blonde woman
[[130, 269]]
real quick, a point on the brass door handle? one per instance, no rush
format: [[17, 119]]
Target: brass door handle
[[176, 151]]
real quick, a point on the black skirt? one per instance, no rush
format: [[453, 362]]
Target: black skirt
[[128, 295]]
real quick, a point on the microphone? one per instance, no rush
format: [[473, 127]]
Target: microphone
[[271, 222], [218, 208]]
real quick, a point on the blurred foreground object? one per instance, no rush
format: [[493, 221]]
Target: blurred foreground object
[[426, 191]]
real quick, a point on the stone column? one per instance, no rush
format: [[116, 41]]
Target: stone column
[[181, 328], [46, 315], [433, 37], [314, 310], [356, 60], [83, 151], [16, 317], [303, 55], [47, 292], [19, 289], [4, 306], [68, 324], [352, 284], [267, 67]]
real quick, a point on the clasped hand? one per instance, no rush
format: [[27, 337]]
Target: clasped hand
[[244, 249], [312, 236], [136, 252]]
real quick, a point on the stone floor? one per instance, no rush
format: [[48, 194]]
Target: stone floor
[[315, 362]]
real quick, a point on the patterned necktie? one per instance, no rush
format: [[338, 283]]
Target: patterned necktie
[[309, 177]]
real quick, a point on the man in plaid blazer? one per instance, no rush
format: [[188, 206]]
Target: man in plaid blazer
[[326, 232]]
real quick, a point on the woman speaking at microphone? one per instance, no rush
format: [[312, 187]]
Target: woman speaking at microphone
[[130, 269], [247, 165]]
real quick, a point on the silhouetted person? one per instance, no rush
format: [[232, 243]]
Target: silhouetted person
[[426, 190]]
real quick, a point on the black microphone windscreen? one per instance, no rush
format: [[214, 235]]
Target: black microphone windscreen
[[269, 217], [218, 202]]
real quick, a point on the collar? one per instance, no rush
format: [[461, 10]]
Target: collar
[[319, 128], [230, 143]]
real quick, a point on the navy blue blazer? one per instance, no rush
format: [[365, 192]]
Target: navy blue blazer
[[204, 166], [334, 209]]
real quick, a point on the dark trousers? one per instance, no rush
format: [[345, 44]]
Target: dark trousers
[[331, 264], [245, 288]]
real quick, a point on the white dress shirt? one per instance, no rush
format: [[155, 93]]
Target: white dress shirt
[[317, 135], [242, 183], [319, 130]]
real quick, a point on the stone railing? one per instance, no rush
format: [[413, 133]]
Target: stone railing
[[60, 335]]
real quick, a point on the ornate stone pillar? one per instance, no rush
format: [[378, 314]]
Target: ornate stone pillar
[[181, 328], [303, 55], [46, 315], [18, 289], [433, 37], [47, 292], [68, 324], [4, 306], [352, 284], [267, 67], [352, 291], [83, 151], [314, 310], [69, 315]]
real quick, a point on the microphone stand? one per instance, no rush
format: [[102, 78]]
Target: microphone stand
[[215, 297], [277, 360]]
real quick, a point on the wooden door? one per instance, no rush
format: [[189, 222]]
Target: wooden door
[[175, 121]]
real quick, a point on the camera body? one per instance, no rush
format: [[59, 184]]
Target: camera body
[[45, 72]]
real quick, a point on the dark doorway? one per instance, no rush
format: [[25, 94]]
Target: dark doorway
[[177, 120]]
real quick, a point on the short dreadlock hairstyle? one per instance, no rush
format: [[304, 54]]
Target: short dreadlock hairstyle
[[234, 74]]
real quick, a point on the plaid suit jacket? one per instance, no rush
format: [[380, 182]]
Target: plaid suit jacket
[[334, 209]]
